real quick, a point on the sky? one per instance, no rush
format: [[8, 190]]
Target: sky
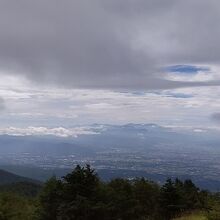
[[73, 63]]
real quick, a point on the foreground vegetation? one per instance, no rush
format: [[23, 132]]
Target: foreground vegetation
[[193, 216], [81, 195]]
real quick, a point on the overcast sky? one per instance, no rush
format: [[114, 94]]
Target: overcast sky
[[70, 62]]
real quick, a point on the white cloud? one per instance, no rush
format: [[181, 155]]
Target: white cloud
[[43, 131], [39, 106]]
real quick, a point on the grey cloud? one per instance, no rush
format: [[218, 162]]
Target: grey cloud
[[96, 44], [2, 104], [216, 117]]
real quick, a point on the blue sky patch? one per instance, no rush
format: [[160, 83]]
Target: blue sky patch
[[179, 95], [186, 69]]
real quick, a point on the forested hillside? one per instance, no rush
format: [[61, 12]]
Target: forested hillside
[[8, 178]]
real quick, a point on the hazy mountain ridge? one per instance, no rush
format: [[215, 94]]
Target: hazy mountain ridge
[[11, 178]]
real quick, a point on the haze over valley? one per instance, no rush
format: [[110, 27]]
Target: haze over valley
[[129, 151]]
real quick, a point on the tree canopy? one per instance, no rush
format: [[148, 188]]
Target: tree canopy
[[82, 195]]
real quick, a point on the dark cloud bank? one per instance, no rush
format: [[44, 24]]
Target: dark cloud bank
[[107, 44]]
